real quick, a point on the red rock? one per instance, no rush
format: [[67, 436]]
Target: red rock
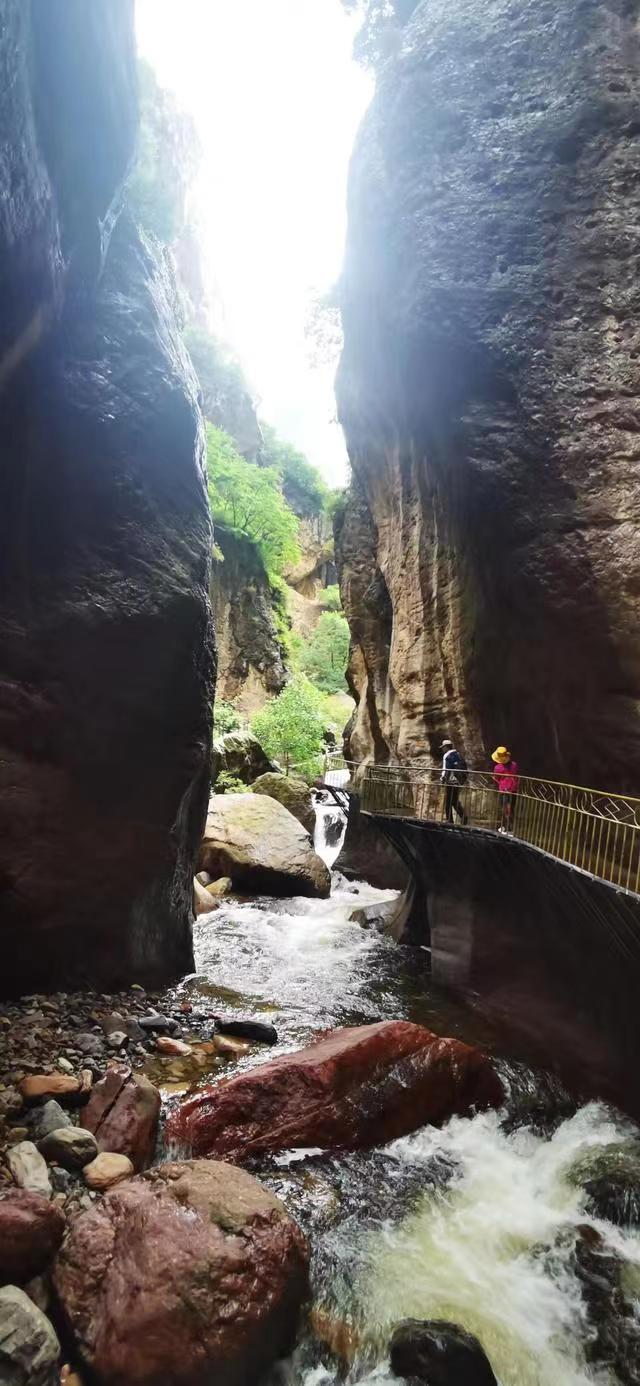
[[353, 1089], [190, 1274], [31, 1230], [165, 1044], [123, 1113], [44, 1085]]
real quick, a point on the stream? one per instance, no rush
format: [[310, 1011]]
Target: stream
[[486, 1222]]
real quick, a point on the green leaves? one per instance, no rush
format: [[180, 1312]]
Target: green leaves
[[291, 727], [324, 660], [249, 499], [302, 484]]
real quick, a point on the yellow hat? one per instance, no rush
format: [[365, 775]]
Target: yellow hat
[[501, 754]]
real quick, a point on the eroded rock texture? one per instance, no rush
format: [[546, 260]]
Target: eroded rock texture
[[250, 654], [106, 656], [489, 387]]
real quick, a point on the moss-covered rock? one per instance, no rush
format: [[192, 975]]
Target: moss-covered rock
[[293, 792]]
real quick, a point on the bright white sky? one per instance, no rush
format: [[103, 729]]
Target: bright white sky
[[276, 98]]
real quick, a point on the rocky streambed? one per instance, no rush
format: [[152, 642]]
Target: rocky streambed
[[360, 1172]]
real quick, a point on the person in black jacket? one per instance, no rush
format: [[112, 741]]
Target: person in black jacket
[[454, 774]]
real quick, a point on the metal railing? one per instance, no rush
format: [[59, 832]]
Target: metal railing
[[587, 828]]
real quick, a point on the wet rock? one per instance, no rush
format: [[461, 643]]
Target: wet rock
[[262, 847], [248, 1029], [200, 1268], [71, 1147], [223, 886], [614, 1197], [158, 1024], [293, 792], [123, 1113], [106, 1170], [166, 1044], [241, 755], [29, 1349], [202, 901], [356, 1088], [28, 1168], [439, 1353], [229, 1047], [379, 917], [31, 1230], [45, 1085]]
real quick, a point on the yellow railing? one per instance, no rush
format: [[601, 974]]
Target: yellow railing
[[588, 828]]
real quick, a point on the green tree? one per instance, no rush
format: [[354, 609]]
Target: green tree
[[324, 660], [302, 483], [248, 499], [331, 599], [291, 727], [225, 717]]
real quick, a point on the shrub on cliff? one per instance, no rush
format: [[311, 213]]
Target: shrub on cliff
[[324, 659], [302, 483], [225, 717], [249, 500]]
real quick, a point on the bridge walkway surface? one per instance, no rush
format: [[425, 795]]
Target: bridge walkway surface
[[589, 830]]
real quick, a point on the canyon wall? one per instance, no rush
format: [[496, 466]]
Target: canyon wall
[[250, 653], [489, 390], [106, 646]]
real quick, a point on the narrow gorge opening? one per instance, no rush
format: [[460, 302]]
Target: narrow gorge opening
[[318, 999]]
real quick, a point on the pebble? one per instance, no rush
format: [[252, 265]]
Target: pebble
[[64, 1065], [29, 1169], [117, 1039], [48, 1085], [106, 1170], [49, 1117], [89, 1044], [71, 1146], [166, 1045]]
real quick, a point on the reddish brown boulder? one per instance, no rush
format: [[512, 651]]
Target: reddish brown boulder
[[31, 1230], [356, 1088], [189, 1274], [123, 1113]]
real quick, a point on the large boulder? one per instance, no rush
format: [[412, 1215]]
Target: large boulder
[[31, 1229], [440, 1354], [351, 1090], [105, 536], [293, 792], [240, 754], [123, 1114], [190, 1274], [262, 847]]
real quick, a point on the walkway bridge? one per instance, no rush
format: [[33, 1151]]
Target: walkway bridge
[[588, 829]]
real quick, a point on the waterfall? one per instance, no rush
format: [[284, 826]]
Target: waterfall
[[331, 825]]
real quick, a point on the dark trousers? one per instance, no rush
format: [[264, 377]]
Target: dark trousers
[[451, 802], [507, 804]]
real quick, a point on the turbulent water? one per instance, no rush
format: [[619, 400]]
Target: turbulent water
[[486, 1222]]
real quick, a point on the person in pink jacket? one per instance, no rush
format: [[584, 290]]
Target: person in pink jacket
[[506, 780]]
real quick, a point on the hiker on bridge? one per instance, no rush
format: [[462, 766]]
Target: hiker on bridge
[[507, 781], [454, 776]]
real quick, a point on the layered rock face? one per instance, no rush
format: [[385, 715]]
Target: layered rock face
[[250, 656], [106, 652], [489, 556]]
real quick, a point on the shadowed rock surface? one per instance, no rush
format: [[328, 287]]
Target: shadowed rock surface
[[440, 1353], [250, 654], [190, 1274], [105, 635], [359, 1087], [31, 1229], [489, 556]]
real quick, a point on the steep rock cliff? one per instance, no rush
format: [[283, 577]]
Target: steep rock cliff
[[106, 650], [489, 387], [250, 655]]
